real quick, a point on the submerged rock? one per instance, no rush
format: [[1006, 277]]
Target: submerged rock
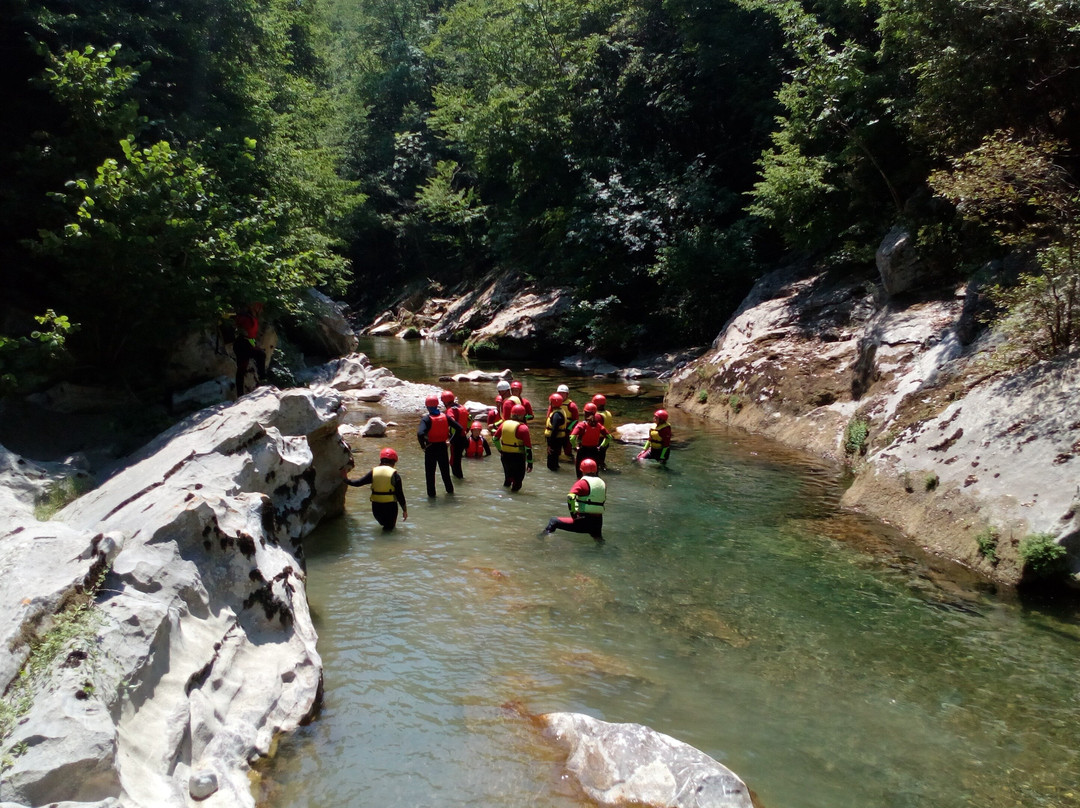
[[631, 764]]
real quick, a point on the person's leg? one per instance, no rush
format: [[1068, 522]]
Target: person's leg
[[444, 468], [554, 446], [385, 513], [517, 472], [457, 450], [240, 348], [507, 464], [430, 455]]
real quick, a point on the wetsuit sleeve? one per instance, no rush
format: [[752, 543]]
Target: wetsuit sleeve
[[399, 490], [365, 480], [528, 409], [579, 489], [422, 431], [575, 436], [605, 437], [487, 447]]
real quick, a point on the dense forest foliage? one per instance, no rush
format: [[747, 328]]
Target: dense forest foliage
[[166, 161]]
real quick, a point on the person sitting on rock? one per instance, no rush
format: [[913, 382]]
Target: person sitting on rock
[[658, 446], [386, 490]]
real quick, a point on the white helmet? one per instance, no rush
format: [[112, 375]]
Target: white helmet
[[503, 386], [562, 388]]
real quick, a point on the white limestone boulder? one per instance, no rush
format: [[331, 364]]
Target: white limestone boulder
[[205, 650], [630, 764]]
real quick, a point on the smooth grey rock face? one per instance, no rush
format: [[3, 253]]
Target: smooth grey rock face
[[204, 649], [630, 764]]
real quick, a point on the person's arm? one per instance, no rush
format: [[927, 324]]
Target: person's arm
[[579, 489], [575, 436], [399, 495], [422, 431], [528, 409], [605, 438], [365, 480], [526, 439], [487, 446], [665, 444]]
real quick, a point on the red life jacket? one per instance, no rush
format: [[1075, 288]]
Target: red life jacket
[[590, 434], [439, 432], [475, 447], [459, 414]]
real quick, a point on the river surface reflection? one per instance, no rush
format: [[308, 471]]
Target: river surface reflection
[[733, 606]]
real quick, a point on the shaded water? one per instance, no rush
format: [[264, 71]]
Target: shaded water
[[733, 606]]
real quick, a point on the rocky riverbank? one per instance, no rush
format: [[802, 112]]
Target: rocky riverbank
[[973, 463]]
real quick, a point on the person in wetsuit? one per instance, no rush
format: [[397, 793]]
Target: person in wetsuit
[[589, 437], [514, 443], [434, 434], [386, 490], [586, 503]]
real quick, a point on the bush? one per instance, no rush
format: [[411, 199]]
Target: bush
[[987, 541], [1041, 555], [855, 435], [702, 396], [931, 481], [735, 402]]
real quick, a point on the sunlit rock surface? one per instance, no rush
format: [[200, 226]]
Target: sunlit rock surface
[[630, 764], [205, 649]]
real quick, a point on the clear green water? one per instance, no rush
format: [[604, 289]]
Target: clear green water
[[733, 606]]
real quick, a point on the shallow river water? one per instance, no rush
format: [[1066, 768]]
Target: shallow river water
[[733, 606]]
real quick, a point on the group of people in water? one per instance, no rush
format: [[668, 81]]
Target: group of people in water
[[581, 436]]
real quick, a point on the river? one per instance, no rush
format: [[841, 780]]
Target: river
[[733, 605]]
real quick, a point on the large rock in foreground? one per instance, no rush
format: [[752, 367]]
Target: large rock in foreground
[[203, 648], [630, 764]]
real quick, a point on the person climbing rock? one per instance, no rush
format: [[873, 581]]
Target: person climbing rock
[[386, 490], [515, 448], [246, 347], [586, 503], [434, 434]]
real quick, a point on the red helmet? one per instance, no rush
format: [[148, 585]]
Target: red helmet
[[660, 416], [587, 466], [590, 407], [476, 425], [556, 399], [431, 401], [515, 386], [388, 454], [517, 411], [599, 400], [448, 397]]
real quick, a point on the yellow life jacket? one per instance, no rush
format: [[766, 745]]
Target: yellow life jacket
[[382, 484], [508, 439], [594, 504], [549, 432], [606, 418], [655, 441]]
